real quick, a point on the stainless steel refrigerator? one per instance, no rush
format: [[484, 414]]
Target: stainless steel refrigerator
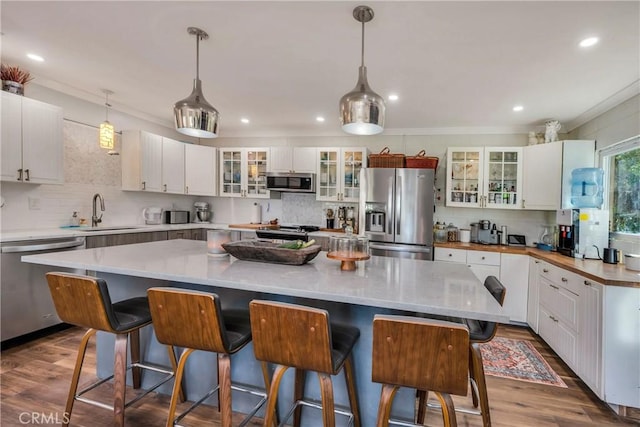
[[396, 211]]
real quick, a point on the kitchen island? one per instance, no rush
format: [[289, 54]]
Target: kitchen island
[[380, 285]]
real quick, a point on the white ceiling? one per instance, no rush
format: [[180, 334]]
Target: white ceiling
[[456, 66]]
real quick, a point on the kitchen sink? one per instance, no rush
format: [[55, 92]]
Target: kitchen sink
[[123, 227]]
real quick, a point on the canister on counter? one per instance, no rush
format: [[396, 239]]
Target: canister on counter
[[452, 233]]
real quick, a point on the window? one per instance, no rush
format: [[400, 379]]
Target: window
[[621, 163]]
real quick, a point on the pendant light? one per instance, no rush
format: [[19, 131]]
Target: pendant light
[[362, 110], [194, 116], [106, 135]]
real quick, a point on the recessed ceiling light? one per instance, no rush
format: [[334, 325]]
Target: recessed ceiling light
[[518, 108], [244, 120], [35, 57], [393, 97], [590, 41], [320, 119]]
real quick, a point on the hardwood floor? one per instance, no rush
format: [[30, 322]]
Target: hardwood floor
[[34, 381]]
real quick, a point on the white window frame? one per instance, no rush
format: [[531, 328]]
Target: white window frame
[[603, 159]]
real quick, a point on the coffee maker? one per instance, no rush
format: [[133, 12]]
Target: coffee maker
[[202, 212]]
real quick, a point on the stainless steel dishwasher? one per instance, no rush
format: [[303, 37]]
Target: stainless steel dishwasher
[[25, 299]]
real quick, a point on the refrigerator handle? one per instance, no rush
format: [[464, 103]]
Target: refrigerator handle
[[398, 202], [390, 207]]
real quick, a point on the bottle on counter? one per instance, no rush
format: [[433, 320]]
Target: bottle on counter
[[441, 233], [452, 233], [75, 220]]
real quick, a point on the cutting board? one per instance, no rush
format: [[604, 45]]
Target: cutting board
[[255, 226]]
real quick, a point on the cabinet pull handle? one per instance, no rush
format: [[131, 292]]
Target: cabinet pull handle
[[587, 283], [564, 279], [450, 254], [165, 188], [26, 175], [144, 185], [19, 174], [187, 189], [537, 262], [544, 270], [522, 203], [554, 286]]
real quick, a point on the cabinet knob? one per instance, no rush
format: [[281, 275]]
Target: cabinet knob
[[587, 283], [450, 254], [544, 270], [554, 286], [482, 257], [186, 189], [165, 188], [537, 262], [523, 203], [564, 279], [144, 185]]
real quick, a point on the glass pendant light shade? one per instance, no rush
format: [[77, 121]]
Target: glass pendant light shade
[[194, 116], [362, 110], [107, 135]]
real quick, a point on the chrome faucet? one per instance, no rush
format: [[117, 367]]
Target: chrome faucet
[[95, 219]]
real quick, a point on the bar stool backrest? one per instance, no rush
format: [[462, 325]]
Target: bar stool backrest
[[187, 318], [420, 353], [291, 335], [82, 301], [482, 330]]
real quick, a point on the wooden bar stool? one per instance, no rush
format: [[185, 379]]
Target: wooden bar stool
[[195, 320], [295, 336], [420, 353], [84, 301], [480, 331]]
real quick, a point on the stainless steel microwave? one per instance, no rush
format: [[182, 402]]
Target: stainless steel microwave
[[291, 181]]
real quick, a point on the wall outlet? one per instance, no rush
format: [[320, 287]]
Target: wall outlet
[[34, 203]]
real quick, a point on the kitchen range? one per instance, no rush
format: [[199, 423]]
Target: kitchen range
[[287, 232]]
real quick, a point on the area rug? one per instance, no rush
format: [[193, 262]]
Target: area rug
[[518, 360]]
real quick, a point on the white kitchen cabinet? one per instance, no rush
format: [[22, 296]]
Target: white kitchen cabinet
[[622, 345], [547, 172], [243, 172], [532, 300], [514, 276], [484, 264], [173, 166], [590, 335], [339, 173], [141, 161], [488, 177], [32, 141], [450, 255], [292, 159], [200, 170]]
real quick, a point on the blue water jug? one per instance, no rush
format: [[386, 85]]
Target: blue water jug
[[586, 187]]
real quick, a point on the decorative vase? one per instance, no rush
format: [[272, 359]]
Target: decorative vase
[[13, 87]]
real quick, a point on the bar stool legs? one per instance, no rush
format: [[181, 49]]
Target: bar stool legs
[[76, 375]]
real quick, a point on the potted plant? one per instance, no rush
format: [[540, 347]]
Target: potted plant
[[14, 79]]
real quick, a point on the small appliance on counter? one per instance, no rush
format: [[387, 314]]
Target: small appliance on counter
[[583, 233], [152, 215], [486, 234], [176, 217], [203, 214]]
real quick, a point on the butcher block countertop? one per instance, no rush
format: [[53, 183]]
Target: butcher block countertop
[[607, 274]]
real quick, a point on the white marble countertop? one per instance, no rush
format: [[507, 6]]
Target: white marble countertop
[[419, 286], [56, 233]]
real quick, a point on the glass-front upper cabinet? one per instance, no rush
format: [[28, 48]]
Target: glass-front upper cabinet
[[485, 177], [339, 173], [503, 177], [243, 172], [464, 176]]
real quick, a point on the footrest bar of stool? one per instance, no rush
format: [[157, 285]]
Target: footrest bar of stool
[[94, 403], [340, 410], [151, 367], [397, 422], [87, 389], [461, 410], [255, 391]]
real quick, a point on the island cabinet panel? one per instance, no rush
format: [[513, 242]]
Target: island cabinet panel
[[124, 239], [590, 334], [191, 234]]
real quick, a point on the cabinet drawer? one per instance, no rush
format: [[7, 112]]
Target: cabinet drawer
[[561, 302], [483, 257], [450, 255]]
